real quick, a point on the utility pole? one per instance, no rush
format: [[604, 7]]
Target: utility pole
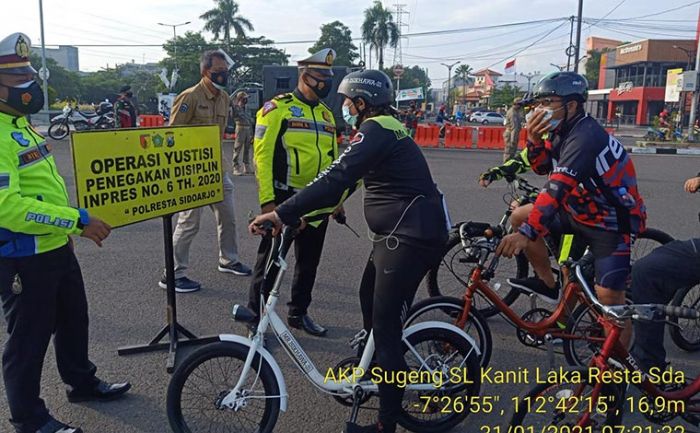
[[694, 103], [449, 81], [578, 35], [43, 63], [174, 26], [570, 49], [399, 12]]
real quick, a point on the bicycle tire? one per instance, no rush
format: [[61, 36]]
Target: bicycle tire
[[442, 344], [538, 398], [690, 342], [226, 351], [449, 277], [640, 248], [60, 126], [581, 322], [447, 309]]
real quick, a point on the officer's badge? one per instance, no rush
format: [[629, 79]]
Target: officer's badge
[[158, 140], [169, 139], [26, 98], [144, 141], [19, 138], [22, 47], [17, 285], [297, 111], [184, 108], [326, 116], [329, 58], [269, 106]]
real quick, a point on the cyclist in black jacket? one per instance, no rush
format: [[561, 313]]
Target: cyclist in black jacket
[[403, 208]]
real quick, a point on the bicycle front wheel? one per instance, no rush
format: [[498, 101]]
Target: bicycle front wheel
[[564, 404], [448, 309], [450, 277], [442, 351], [687, 334], [206, 376]]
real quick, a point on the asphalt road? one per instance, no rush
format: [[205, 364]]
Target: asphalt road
[[127, 307]]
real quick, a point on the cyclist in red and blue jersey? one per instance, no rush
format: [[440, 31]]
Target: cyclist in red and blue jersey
[[591, 191]]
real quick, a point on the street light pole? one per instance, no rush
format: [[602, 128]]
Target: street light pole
[[694, 104], [174, 26], [449, 79], [43, 62], [687, 53], [578, 36]]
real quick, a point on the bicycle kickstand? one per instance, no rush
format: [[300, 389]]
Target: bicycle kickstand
[[548, 341]]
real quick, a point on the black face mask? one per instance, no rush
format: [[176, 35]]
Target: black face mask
[[219, 79], [28, 98], [322, 87]]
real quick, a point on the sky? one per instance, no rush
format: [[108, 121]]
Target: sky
[[134, 22]]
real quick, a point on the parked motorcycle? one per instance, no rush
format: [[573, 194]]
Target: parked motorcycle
[[103, 118]]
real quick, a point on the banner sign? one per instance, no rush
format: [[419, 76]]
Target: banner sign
[[131, 175], [673, 93], [410, 94]]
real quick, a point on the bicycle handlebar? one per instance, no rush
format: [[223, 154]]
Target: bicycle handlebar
[[649, 312]]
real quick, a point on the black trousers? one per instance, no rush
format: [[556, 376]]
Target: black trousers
[[655, 280], [51, 301], [389, 284], [308, 246]]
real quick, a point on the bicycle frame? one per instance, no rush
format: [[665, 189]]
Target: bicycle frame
[[344, 387], [572, 292]]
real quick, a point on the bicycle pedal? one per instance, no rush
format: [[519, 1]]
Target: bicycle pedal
[[358, 339]]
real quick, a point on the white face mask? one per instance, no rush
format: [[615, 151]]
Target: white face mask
[[350, 119], [549, 112]]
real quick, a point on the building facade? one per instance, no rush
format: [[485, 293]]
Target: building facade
[[633, 79], [65, 55]]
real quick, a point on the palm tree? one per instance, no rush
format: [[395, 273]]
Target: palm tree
[[464, 71], [379, 30], [223, 18]]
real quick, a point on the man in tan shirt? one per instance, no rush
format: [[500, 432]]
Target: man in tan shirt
[[203, 104]]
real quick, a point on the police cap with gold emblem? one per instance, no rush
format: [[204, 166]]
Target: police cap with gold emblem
[[321, 61], [14, 55]]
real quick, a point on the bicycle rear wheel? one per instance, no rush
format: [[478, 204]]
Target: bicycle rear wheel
[[206, 376], [450, 277], [563, 404], [441, 350], [687, 334], [647, 241], [447, 309]]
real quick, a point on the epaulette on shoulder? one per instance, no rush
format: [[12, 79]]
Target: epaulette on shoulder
[[285, 97]]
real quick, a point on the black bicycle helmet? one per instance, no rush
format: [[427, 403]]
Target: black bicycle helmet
[[371, 85], [568, 85]]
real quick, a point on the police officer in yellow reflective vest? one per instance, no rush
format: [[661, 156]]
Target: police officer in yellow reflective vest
[[294, 141], [41, 286]]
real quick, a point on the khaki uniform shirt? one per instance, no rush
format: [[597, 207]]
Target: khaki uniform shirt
[[199, 106]]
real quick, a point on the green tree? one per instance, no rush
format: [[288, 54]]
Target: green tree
[[190, 47], [413, 76], [593, 67], [250, 55], [336, 35], [503, 96], [464, 72], [224, 18], [63, 84], [101, 85], [379, 30]]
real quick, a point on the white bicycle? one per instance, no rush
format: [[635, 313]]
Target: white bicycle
[[236, 385]]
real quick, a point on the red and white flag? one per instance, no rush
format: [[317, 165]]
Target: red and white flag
[[510, 67]]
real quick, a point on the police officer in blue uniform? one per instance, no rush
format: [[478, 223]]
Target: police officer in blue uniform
[[41, 286]]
